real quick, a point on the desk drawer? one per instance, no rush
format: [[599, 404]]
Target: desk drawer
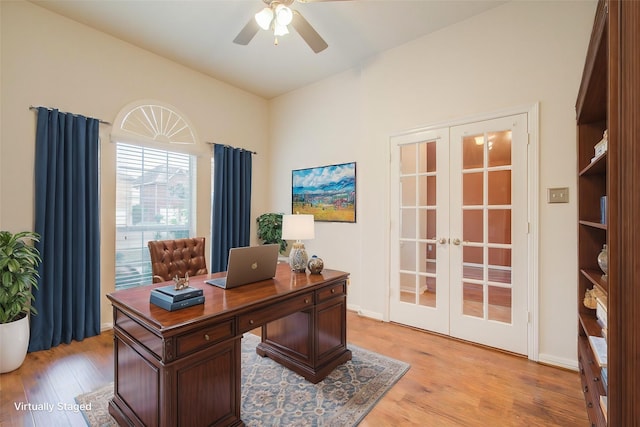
[[331, 291], [139, 333], [249, 321], [194, 341]]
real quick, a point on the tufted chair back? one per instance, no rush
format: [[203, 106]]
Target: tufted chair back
[[177, 257]]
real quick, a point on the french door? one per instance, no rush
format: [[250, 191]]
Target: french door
[[459, 231]]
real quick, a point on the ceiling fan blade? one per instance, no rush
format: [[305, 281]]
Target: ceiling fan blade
[[308, 34], [246, 34]]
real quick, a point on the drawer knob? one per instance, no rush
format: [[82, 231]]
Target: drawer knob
[[206, 337], [333, 291], [306, 300], [596, 379], [585, 389], [251, 322]]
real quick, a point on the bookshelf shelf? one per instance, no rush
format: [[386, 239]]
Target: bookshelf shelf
[[597, 167], [593, 224], [595, 277], [589, 324]]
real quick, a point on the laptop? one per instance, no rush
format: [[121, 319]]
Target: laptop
[[248, 264]]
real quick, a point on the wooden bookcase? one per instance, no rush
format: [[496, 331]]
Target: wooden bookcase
[[609, 99]]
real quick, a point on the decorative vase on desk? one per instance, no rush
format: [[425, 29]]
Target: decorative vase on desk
[[315, 265], [603, 258]]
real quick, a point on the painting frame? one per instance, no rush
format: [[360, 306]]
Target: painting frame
[[327, 192]]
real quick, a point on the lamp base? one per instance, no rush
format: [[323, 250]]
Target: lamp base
[[298, 258]]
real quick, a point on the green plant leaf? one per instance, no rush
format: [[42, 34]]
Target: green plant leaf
[[19, 260]]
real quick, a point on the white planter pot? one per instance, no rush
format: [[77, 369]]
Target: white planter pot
[[14, 341]]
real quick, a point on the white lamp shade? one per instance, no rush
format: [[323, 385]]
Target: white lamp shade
[[280, 30], [264, 18], [298, 227], [284, 15]]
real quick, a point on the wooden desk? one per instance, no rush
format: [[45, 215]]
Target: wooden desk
[[182, 368]]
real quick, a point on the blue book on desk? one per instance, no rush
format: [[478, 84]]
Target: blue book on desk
[[166, 302], [179, 295]]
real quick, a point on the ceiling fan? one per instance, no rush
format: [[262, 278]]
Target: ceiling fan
[[276, 16]]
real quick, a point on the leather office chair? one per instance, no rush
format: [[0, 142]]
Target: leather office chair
[[171, 258]]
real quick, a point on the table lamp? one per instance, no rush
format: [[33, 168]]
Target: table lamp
[[298, 227]]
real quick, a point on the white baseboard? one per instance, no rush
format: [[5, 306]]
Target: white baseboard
[[106, 326], [559, 362], [365, 313]]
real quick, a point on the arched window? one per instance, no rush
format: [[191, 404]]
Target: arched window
[[152, 121], [155, 184]]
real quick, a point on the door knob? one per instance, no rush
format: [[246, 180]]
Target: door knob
[[442, 240], [456, 241]]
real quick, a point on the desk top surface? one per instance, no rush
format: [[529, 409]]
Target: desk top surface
[[220, 302]]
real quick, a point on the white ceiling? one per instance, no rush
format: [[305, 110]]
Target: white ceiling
[[199, 34]]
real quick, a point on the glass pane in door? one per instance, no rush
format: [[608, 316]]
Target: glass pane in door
[[407, 287], [499, 148], [499, 226], [499, 191], [473, 300], [473, 191], [499, 307], [408, 159], [499, 269], [428, 298]]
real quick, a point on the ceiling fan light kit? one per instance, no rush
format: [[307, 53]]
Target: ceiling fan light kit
[[276, 16]]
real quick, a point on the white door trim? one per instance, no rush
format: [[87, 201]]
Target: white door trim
[[533, 185]]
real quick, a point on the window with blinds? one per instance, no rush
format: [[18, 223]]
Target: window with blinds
[[154, 201]]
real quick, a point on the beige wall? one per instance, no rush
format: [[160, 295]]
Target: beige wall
[[52, 61], [515, 55]]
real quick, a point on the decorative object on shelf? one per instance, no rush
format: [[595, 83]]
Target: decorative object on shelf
[[594, 297], [601, 147], [298, 227], [315, 265], [589, 300], [603, 258], [181, 283], [327, 192]]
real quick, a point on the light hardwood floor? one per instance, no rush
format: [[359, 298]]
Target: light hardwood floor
[[450, 383]]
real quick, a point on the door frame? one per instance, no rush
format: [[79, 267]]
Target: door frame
[[533, 189]]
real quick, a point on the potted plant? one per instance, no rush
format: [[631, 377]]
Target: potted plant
[[19, 261], [270, 230]]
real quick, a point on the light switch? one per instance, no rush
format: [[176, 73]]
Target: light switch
[[558, 195]]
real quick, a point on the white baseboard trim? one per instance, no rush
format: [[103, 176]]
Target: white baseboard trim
[[106, 326], [365, 313], [559, 362]]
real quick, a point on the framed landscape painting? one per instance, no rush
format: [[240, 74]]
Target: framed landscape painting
[[327, 192]]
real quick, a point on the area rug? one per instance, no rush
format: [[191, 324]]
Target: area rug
[[275, 396]]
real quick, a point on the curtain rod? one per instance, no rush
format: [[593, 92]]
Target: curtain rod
[[31, 107], [228, 146]]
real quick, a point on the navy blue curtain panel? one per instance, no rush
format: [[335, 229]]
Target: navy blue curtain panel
[[67, 219], [231, 211]]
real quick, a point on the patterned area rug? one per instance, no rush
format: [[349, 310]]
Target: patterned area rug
[[275, 396]]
